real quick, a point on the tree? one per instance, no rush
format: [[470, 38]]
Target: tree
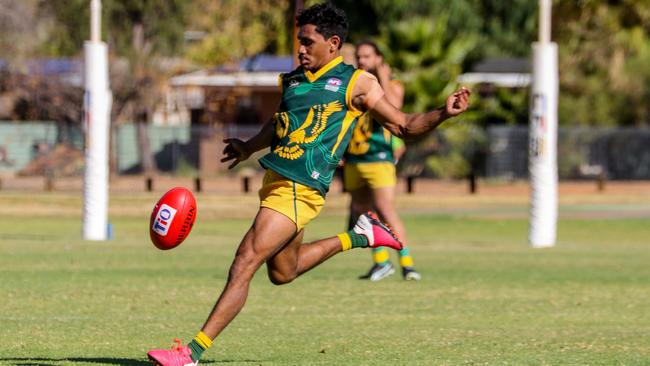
[[20, 30], [604, 53], [236, 29], [425, 58]]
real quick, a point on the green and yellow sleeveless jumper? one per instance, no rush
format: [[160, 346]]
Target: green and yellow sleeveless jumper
[[314, 124], [370, 142]]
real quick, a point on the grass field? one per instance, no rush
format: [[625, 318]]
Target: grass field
[[486, 298]]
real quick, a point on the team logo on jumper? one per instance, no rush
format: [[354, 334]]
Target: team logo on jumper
[[293, 145], [333, 84], [315, 174], [293, 83], [164, 219]]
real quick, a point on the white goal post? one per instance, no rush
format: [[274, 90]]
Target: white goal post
[[97, 109], [542, 152]]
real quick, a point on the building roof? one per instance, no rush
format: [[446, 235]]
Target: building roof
[[260, 70], [203, 78], [264, 62]]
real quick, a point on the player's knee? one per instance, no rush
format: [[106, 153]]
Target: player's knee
[[385, 208], [247, 261], [359, 207], [279, 278]]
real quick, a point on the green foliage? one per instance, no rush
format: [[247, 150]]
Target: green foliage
[[423, 58], [236, 29], [506, 27], [462, 144], [70, 26], [163, 23], [604, 53], [498, 105]]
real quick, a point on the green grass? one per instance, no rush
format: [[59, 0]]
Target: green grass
[[486, 298]]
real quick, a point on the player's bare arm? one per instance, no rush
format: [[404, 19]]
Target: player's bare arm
[[239, 150], [393, 89], [368, 95]]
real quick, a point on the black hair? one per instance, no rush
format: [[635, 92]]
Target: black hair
[[328, 19], [367, 42]]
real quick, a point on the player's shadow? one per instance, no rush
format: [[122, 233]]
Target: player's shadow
[[42, 361]]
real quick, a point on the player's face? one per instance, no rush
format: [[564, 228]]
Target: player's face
[[315, 51], [367, 59]]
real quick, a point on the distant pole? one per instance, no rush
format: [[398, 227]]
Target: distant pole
[[544, 31], [542, 153], [97, 108], [95, 21]]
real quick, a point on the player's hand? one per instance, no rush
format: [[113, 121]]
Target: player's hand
[[383, 72], [458, 102], [235, 149]]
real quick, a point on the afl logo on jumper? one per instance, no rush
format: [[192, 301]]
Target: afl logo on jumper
[[333, 84], [164, 219]]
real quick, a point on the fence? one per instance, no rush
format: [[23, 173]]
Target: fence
[[45, 148]]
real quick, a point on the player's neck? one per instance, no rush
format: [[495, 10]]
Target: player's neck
[[325, 62]]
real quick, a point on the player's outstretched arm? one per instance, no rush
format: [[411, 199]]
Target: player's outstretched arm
[[368, 96], [239, 150]]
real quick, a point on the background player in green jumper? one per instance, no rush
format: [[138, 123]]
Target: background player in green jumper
[[316, 135], [369, 171]]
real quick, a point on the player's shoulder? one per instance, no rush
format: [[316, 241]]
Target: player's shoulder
[[365, 80], [295, 72], [286, 79]]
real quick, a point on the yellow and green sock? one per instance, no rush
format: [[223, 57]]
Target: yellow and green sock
[[405, 259], [380, 256], [351, 240], [198, 345]]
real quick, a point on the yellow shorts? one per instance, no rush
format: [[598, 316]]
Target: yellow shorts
[[298, 202], [372, 175]]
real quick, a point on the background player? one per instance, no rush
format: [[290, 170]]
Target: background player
[[369, 171]]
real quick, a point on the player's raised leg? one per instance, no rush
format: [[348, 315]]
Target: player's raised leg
[[297, 258]]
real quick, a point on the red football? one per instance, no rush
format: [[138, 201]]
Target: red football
[[172, 218]]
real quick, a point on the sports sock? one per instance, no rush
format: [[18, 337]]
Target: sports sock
[[198, 345], [405, 259], [351, 240], [380, 256]]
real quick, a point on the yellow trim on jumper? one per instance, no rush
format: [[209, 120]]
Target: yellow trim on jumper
[[347, 122], [346, 242], [280, 82], [329, 66], [387, 136], [348, 92]]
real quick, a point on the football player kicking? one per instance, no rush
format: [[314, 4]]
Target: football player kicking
[[321, 101]]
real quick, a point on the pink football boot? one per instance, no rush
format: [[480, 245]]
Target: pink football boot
[[179, 355], [377, 233]]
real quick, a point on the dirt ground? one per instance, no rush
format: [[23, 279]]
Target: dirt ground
[[225, 196], [232, 184]]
